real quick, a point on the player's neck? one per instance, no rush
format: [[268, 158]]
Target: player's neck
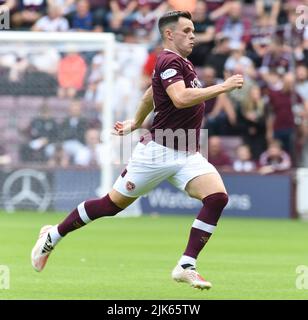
[[168, 48]]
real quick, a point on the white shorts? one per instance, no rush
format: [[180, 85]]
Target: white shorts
[[153, 163]]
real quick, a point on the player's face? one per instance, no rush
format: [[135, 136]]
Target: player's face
[[183, 36]]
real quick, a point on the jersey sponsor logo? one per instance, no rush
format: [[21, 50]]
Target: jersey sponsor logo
[[168, 74], [130, 186]]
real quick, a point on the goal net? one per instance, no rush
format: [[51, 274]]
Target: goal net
[[60, 94]]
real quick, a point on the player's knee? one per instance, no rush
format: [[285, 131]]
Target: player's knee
[[217, 200], [223, 199]]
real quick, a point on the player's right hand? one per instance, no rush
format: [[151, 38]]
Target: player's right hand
[[122, 128], [234, 82]]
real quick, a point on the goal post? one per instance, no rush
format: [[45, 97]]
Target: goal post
[[89, 41]]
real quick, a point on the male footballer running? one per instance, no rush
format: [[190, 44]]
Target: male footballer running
[[178, 102]]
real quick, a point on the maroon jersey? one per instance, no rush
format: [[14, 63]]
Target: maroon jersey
[[170, 68], [123, 4], [154, 4], [281, 104]]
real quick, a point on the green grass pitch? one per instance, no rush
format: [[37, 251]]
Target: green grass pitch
[[132, 258]]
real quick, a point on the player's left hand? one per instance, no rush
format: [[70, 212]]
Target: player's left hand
[[122, 128]]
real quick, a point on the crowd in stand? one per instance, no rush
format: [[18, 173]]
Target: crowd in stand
[[262, 39]]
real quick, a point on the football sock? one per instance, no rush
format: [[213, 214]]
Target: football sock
[[86, 212], [204, 225], [187, 261]]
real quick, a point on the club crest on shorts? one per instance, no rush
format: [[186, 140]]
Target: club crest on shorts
[[130, 186]]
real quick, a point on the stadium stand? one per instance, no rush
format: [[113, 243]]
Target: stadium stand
[[259, 39]]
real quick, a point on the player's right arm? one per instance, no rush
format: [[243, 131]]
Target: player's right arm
[[145, 107], [183, 97]]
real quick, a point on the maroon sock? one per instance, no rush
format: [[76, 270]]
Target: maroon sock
[[205, 223], [86, 212]]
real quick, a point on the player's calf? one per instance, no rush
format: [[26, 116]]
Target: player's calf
[[204, 226]]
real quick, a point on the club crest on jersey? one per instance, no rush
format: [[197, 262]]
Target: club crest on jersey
[[130, 186], [168, 74]]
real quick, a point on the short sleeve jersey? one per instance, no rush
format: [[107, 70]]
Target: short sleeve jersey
[[170, 68]]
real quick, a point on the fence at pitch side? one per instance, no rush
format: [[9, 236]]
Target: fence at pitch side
[[250, 195]]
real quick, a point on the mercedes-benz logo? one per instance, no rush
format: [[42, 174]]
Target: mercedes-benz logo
[[27, 187]]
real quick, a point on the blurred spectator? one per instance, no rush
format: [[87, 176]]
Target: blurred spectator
[[280, 123], [148, 67], [262, 34], [72, 69], [155, 4], [234, 25], [252, 121], [96, 90], [54, 21], [217, 8], [219, 55], [187, 5], [91, 154], [28, 12], [243, 161], [99, 9], [42, 133], [301, 88], [277, 59], [82, 19], [204, 34], [5, 158], [274, 159], [72, 129], [239, 97], [95, 77], [59, 158], [66, 6], [301, 85], [270, 8], [217, 155], [45, 60], [121, 15], [238, 62], [16, 64], [208, 78], [293, 37], [144, 21], [219, 111], [304, 151]]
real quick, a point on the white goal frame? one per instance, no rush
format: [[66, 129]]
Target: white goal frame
[[108, 45]]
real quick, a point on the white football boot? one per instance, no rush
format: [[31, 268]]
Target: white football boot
[[190, 276], [42, 249]]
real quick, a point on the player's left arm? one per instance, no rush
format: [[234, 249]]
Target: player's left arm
[[145, 107], [183, 97]]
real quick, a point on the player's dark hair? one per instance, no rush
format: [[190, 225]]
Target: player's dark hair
[[171, 17]]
